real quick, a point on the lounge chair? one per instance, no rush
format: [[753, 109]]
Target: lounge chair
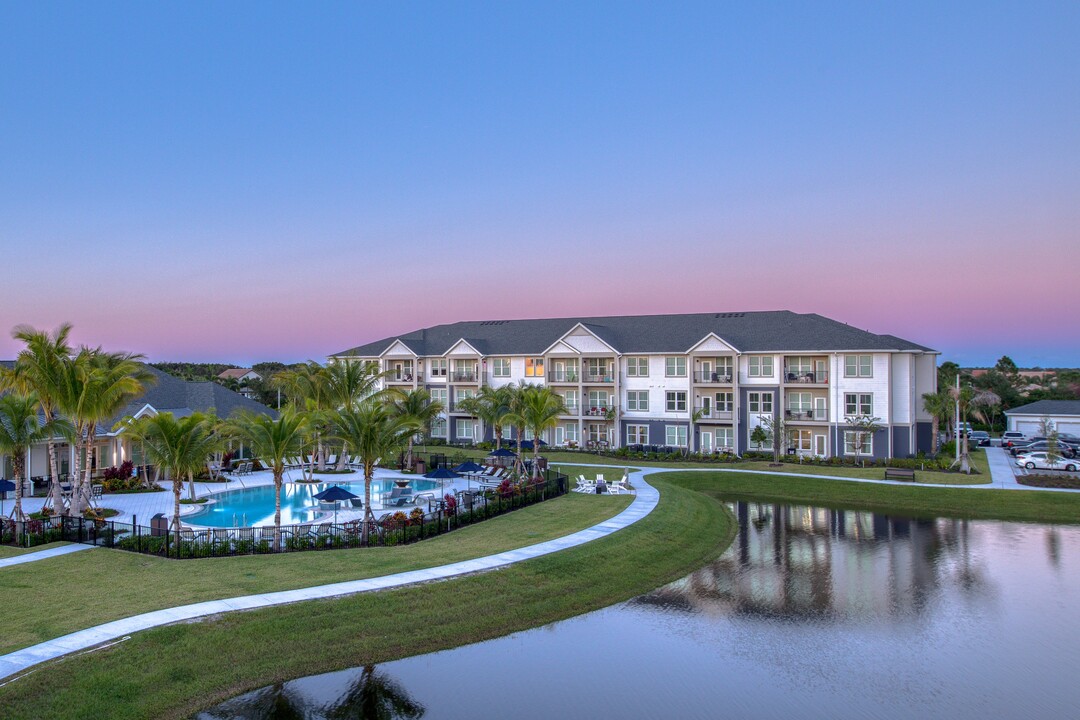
[[357, 502], [398, 497], [426, 500]]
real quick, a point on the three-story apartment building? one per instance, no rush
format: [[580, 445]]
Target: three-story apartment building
[[699, 381]]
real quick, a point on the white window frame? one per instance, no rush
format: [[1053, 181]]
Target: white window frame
[[439, 426], [440, 395], [858, 404], [570, 400], [680, 435], [637, 367], [468, 425], [637, 434], [500, 367], [534, 367], [849, 443], [671, 398], [858, 366], [437, 367], [637, 400], [725, 438], [760, 402], [724, 402], [594, 399], [675, 366], [760, 366]]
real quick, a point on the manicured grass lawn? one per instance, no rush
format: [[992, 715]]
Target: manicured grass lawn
[[590, 471], [563, 459], [1022, 505], [50, 598], [173, 671], [6, 551]]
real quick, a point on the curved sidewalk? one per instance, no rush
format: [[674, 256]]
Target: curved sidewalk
[[645, 500], [43, 554]]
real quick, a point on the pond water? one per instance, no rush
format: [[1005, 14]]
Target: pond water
[[811, 613], [254, 506]]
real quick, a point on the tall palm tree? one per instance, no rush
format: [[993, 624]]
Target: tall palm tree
[[19, 430], [273, 441], [97, 387], [180, 447], [491, 405], [372, 430], [939, 406], [540, 407], [39, 368], [347, 384], [418, 410], [308, 387]]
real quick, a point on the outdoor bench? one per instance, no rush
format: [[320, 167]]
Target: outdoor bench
[[899, 474]]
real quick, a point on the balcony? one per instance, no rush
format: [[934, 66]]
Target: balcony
[[600, 412], [714, 377], [598, 377], [802, 376], [806, 415], [716, 415], [403, 377], [464, 376], [563, 376]]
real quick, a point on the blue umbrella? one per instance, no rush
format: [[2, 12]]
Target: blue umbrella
[[6, 486], [469, 467], [441, 474], [334, 494], [528, 444], [503, 452]]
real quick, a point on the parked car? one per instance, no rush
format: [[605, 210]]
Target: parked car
[[978, 438], [1008, 439], [1039, 461], [1064, 449]]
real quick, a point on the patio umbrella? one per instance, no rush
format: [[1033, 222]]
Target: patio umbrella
[[468, 467], [441, 474], [502, 452], [335, 494], [6, 486], [528, 444]]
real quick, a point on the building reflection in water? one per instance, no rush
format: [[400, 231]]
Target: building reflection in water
[[793, 561]]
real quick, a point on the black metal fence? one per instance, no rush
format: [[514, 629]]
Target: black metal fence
[[396, 528]]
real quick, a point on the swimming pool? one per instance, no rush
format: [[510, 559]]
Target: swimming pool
[[255, 506]]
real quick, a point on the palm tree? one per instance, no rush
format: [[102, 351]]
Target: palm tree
[[540, 407], [19, 430], [491, 405], [180, 447], [308, 387], [939, 406], [372, 430], [97, 386], [418, 410], [515, 415], [348, 383], [39, 369], [273, 441]]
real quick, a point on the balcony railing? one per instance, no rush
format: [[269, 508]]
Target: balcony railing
[[598, 411], [716, 377], [598, 377], [567, 376], [799, 375], [464, 376], [714, 414], [803, 415], [405, 377]]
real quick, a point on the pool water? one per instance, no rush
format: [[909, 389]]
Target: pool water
[[255, 506]]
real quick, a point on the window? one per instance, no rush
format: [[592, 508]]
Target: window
[[723, 367], [500, 368], [572, 433], [598, 369], [760, 366], [676, 402], [800, 402], [637, 367], [858, 404], [464, 429], [570, 399], [598, 401], [858, 366], [675, 367], [759, 402], [675, 435], [637, 434], [463, 394], [725, 439], [637, 400], [534, 367], [725, 401], [465, 370], [437, 367], [438, 395], [438, 427], [852, 440], [565, 371]]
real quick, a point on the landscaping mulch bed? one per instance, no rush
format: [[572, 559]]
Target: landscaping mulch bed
[[1069, 482]]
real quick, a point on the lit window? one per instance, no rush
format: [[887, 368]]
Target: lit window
[[534, 367]]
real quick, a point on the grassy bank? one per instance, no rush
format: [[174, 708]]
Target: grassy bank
[[50, 598], [562, 459], [975, 503], [173, 671]]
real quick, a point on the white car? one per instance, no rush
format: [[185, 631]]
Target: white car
[[1038, 460]]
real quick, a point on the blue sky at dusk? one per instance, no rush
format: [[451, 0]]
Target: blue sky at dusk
[[252, 181]]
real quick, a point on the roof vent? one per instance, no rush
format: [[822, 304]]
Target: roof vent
[[494, 322], [729, 315]]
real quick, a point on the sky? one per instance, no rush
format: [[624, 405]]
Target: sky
[[252, 181]]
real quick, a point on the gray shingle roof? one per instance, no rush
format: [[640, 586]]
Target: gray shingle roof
[[773, 331], [1047, 407]]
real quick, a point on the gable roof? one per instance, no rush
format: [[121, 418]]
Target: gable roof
[[235, 373], [1047, 407], [771, 331]]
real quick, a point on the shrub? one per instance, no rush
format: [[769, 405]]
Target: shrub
[[416, 517]]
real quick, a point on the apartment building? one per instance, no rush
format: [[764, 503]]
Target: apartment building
[[701, 381]]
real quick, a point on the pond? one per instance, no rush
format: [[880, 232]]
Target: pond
[[811, 613]]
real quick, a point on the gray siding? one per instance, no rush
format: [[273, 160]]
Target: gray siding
[[901, 441]]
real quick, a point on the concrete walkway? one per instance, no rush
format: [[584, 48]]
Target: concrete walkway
[[43, 554], [645, 500]]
